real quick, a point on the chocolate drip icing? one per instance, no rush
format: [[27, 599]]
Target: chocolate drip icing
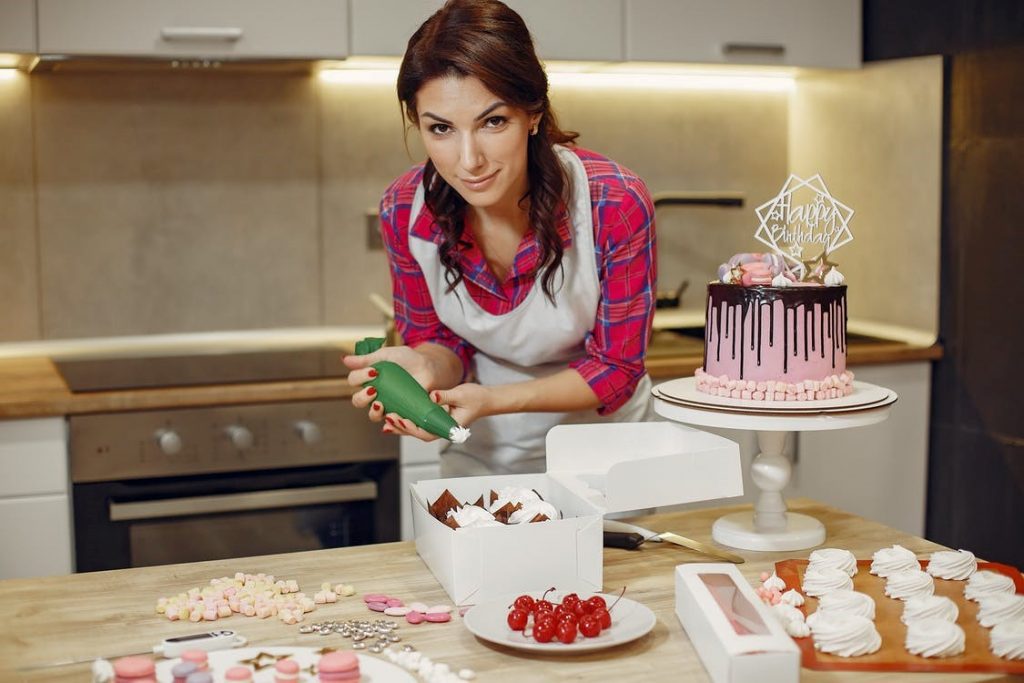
[[737, 304]]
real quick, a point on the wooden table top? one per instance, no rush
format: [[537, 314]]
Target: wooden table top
[[83, 616]]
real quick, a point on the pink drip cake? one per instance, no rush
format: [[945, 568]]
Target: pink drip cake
[[775, 343]]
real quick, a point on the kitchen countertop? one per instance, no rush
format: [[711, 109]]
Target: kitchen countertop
[[30, 386], [83, 616]]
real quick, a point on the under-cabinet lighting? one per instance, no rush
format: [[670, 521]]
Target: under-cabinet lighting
[[7, 73], [636, 75]]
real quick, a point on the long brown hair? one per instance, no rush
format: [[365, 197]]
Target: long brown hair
[[488, 41]]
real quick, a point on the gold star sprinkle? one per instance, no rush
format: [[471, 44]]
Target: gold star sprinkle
[[817, 268]]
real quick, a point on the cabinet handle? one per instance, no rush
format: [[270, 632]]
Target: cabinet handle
[[240, 502], [193, 34], [762, 49]]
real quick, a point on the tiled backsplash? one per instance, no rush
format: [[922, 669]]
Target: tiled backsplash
[[140, 203]]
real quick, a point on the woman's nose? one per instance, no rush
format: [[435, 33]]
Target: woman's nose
[[471, 155]]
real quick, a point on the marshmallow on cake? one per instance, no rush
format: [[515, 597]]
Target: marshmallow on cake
[[895, 559], [952, 564]]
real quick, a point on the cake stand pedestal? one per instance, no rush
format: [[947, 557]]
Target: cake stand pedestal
[[769, 526]]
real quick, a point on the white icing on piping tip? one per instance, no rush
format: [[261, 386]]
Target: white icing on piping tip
[[458, 435]]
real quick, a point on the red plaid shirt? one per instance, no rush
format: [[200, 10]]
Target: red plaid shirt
[[624, 247]]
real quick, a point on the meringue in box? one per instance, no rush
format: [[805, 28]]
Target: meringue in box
[[592, 469]]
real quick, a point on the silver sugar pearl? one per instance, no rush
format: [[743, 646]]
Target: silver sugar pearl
[[375, 649], [394, 639], [306, 629], [408, 648], [358, 646]]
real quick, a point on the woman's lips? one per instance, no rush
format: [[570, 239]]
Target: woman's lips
[[481, 183]]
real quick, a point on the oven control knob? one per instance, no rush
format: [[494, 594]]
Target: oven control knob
[[240, 436], [168, 440], [307, 431]]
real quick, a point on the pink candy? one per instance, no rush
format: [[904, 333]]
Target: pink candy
[[377, 606], [415, 617], [414, 613], [438, 617]]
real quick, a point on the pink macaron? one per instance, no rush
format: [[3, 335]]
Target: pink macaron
[[338, 666], [133, 669], [238, 674], [286, 671]]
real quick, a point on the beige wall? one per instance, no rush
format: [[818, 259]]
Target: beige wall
[[173, 202], [875, 136]]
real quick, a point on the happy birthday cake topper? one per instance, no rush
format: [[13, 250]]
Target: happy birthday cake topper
[[804, 224]]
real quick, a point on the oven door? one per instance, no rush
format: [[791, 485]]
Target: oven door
[[148, 522]]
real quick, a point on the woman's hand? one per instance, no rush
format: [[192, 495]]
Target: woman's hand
[[416, 364], [466, 403]]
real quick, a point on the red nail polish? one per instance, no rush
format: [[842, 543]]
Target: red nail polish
[[376, 406], [373, 373], [373, 392], [390, 421]]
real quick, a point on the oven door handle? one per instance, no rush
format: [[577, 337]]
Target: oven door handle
[[240, 502]]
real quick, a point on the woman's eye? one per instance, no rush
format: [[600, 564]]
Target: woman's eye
[[438, 128], [495, 121]]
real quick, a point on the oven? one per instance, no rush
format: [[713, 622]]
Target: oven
[[167, 486]]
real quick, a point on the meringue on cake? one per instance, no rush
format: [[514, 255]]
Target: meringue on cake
[[908, 584], [851, 602], [895, 559], [952, 564], [986, 583], [835, 558], [817, 582], [844, 634], [929, 607], [934, 638], [1006, 640], [999, 608]]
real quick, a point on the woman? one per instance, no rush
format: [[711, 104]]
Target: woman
[[523, 267]]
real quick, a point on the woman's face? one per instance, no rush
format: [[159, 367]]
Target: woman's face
[[476, 141]]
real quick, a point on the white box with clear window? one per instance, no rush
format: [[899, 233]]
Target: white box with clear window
[[591, 469]]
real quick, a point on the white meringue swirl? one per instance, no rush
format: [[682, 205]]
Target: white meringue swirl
[[952, 564], [517, 495], [470, 516], [999, 608], [849, 601], [934, 638], [531, 510], [835, 558], [894, 559], [844, 634], [773, 582], [909, 583], [987, 583], [929, 607], [817, 582], [798, 629], [792, 597], [786, 613], [1007, 639]]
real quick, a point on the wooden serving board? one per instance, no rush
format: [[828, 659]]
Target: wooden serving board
[[893, 656]]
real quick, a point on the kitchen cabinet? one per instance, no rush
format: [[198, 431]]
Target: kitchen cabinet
[[18, 26], [565, 30], [243, 29], [35, 506], [808, 33]]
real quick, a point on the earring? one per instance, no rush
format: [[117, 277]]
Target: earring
[[533, 131]]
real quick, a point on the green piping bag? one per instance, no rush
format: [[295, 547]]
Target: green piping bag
[[400, 393]]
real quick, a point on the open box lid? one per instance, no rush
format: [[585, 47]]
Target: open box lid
[[621, 466]]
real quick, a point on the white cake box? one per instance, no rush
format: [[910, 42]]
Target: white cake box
[[592, 469], [710, 597]]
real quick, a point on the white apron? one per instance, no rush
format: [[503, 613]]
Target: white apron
[[535, 339]]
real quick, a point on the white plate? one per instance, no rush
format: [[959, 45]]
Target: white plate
[[371, 669], [630, 620], [684, 390], [881, 403]]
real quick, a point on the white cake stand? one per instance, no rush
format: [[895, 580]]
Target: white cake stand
[[769, 526]]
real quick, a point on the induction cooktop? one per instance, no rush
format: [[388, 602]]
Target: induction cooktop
[[201, 369]]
